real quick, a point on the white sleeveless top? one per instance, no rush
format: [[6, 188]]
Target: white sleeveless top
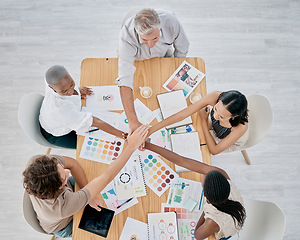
[[224, 220]]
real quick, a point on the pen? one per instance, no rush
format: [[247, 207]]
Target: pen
[[201, 200], [93, 130], [124, 202]]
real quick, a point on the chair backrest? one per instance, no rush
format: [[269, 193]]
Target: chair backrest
[[30, 215], [264, 221], [28, 117], [260, 118]]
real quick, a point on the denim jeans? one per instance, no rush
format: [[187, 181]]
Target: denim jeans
[[67, 231]]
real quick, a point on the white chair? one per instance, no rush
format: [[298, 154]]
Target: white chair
[[28, 117], [260, 121], [30, 215], [264, 221]]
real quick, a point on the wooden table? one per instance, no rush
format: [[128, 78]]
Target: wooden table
[[152, 73]]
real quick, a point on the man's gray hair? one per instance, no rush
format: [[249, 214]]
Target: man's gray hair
[[55, 74], [146, 21]]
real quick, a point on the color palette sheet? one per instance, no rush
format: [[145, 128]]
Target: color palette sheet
[[99, 150], [187, 220], [158, 175], [185, 193]]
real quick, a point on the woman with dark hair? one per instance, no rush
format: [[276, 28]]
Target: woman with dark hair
[[226, 128], [223, 214]]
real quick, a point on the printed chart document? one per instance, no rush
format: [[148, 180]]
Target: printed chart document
[[162, 226], [134, 230], [171, 103], [186, 194], [187, 220], [187, 145]]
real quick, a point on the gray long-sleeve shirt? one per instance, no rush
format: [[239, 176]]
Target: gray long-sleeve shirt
[[131, 47]]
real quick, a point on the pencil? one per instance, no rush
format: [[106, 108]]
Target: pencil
[[124, 202], [93, 130]]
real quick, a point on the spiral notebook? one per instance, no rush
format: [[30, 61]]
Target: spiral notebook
[[171, 103], [188, 145], [130, 181], [162, 226]]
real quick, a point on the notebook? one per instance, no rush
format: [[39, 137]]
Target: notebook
[[162, 226], [96, 222], [130, 181], [188, 145], [171, 103]]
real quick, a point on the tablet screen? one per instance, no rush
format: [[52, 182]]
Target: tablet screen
[[96, 222]]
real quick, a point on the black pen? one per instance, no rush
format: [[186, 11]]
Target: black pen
[[124, 202], [93, 130]]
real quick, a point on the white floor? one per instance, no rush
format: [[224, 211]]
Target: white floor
[[249, 45]]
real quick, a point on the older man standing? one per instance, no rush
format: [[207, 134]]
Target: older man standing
[[146, 35]]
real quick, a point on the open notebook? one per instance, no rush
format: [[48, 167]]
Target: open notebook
[[188, 145], [171, 103]]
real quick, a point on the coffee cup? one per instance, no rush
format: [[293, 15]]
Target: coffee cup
[[146, 92], [194, 97]]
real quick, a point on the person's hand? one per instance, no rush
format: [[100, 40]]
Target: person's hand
[[133, 126], [124, 135], [204, 113], [142, 146], [85, 91], [96, 203], [138, 137]]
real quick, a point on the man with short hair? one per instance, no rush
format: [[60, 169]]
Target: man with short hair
[[146, 35], [60, 114]]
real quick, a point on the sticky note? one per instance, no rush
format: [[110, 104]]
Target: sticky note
[[189, 204]]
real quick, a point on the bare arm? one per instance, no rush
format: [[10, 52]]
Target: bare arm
[[214, 148], [188, 163], [107, 128], [207, 228], [76, 171], [134, 140], [209, 99], [128, 104]]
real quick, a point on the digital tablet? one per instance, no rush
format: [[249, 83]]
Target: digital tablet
[[96, 222]]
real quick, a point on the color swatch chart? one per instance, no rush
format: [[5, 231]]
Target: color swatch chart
[[187, 221], [99, 150], [158, 175], [185, 193]]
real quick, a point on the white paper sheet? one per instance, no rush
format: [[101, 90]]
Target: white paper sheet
[[105, 98], [134, 230]]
